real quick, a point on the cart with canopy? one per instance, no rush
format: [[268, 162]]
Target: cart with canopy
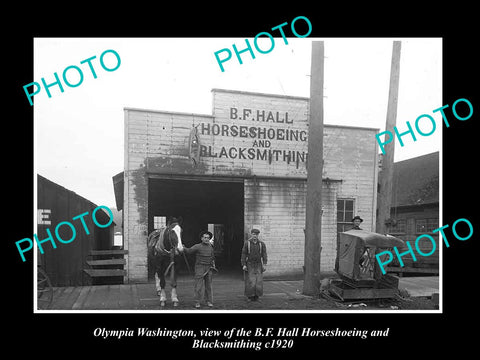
[[357, 266]]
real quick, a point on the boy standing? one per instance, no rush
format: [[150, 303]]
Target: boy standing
[[204, 264]]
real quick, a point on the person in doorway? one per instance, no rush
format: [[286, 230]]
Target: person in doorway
[[357, 220], [204, 266], [254, 261]]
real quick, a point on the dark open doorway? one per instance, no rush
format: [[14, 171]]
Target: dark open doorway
[[217, 206]]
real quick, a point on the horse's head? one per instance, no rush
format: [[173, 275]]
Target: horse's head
[[175, 235]]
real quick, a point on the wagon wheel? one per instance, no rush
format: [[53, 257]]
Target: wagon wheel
[[44, 290]]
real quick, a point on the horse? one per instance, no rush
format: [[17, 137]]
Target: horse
[[164, 248]]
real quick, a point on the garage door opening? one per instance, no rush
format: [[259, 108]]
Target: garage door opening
[[216, 206]]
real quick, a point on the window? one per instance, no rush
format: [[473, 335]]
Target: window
[[345, 211], [423, 226], [420, 226], [159, 221], [400, 227], [432, 224]]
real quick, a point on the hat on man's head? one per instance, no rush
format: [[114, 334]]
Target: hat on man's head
[[357, 217], [255, 231], [206, 232], [175, 220]]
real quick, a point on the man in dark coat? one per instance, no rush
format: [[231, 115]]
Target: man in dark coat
[[357, 220], [254, 261]]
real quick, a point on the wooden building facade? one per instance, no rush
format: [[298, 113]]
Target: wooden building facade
[[415, 211], [244, 166], [66, 263]]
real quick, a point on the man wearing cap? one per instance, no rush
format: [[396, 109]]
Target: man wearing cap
[[204, 265], [357, 220], [254, 261]]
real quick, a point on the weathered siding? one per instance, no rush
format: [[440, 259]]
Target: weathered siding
[[157, 142], [279, 115], [65, 263], [277, 208], [135, 195], [350, 155], [410, 215]]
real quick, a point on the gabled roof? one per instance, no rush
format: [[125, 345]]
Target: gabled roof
[[416, 181], [43, 182], [118, 189]]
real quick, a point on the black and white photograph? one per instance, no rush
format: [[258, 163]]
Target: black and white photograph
[[276, 191], [167, 172]]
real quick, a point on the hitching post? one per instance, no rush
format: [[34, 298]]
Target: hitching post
[[311, 283]]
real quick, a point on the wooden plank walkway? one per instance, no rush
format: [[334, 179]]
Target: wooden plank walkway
[[143, 296]]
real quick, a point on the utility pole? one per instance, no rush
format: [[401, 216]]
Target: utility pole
[[385, 178], [311, 283]]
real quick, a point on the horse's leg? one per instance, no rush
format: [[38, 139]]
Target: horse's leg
[[173, 283], [163, 297], [157, 283], [161, 276], [174, 296], [158, 269]]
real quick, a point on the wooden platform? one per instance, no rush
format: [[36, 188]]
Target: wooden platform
[[345, 292], [409, 269], [226, 290], [142, 296], [420, 285]]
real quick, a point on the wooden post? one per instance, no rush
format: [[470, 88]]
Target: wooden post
[[311, 283], [385, 178]]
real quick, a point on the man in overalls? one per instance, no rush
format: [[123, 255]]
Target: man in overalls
[[254, 261]]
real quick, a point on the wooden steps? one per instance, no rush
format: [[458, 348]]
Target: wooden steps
[[108, 252], [106, 262], [106, 266], [105, 272]]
